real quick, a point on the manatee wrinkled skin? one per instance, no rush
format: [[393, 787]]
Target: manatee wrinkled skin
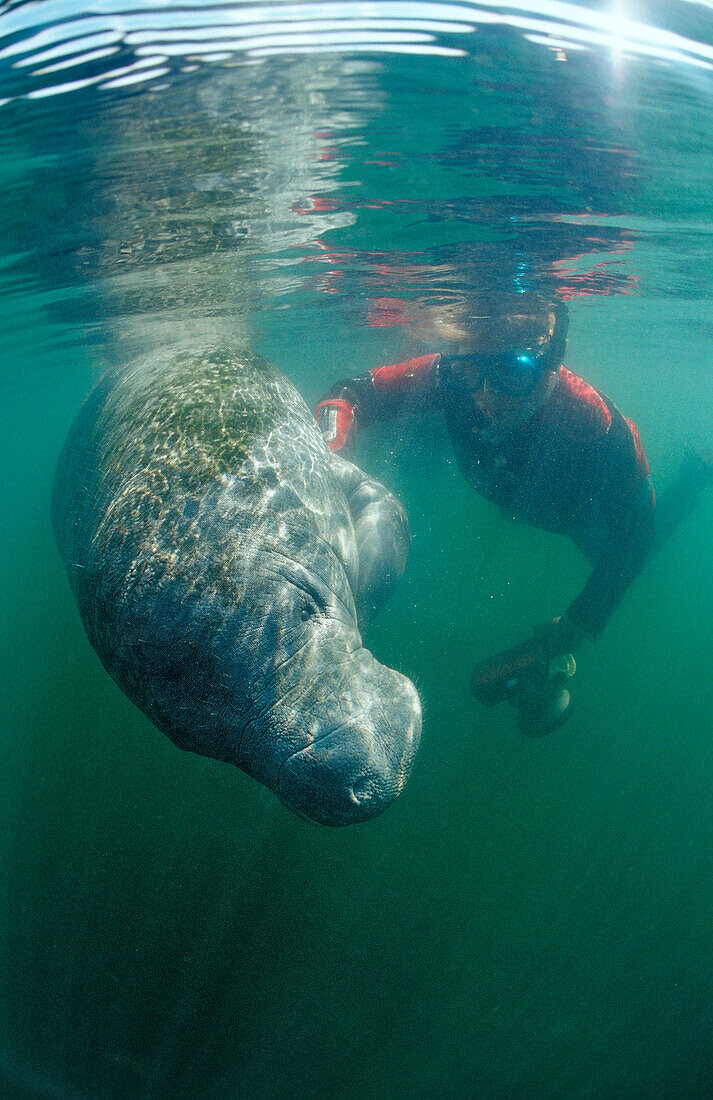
[[212, 552]]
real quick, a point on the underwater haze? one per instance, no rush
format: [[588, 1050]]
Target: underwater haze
[[534, 916]]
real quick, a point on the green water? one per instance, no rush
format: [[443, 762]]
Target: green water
[[533, 918]]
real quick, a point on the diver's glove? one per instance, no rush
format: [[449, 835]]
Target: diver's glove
[[337, 422], [558, 637]]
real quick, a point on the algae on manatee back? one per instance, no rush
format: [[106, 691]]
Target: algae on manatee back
[[195, 417]]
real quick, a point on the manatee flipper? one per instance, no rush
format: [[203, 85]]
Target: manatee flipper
[[383, 537]]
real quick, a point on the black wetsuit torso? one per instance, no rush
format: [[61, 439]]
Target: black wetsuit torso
[[575, 467]]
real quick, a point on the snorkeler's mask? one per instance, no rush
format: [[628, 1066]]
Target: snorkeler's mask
[[514, 372]]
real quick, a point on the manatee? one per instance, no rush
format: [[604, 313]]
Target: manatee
[[212, 543]]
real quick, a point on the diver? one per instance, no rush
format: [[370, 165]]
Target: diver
[[547, 449]]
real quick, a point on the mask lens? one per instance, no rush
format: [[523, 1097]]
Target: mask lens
[[464, 372], [516, 373]]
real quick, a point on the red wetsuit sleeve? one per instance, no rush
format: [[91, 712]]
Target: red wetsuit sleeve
[[407, 377], [387, 391]]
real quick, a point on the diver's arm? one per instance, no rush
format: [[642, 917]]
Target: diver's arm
[[618, 567], [382, 534], [618, 486], [587, 615], [356, 403], [627, 502]]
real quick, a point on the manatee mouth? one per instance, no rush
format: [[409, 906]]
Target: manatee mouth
[[358, 769]]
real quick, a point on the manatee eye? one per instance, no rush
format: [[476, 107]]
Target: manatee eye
[[310, 603]]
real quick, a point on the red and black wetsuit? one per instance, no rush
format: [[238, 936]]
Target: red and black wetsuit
[[575, 467]]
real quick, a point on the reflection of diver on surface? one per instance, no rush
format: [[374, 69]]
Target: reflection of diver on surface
[[550, 451]]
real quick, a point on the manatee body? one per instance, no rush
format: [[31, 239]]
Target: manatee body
[[212, 553]]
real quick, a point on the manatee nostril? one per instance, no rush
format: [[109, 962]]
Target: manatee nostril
[[362, 790], [340, 780]]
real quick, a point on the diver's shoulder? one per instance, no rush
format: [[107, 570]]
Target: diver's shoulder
[[584, 414]]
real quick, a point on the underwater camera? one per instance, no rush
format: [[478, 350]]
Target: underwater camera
[[527, 680]]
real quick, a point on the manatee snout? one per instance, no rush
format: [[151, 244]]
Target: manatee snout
[[359, 760]]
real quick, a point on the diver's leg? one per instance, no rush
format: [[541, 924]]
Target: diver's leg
[[678, 500]]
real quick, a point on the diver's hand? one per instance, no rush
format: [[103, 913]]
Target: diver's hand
[[559, 636], [338, 423]]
